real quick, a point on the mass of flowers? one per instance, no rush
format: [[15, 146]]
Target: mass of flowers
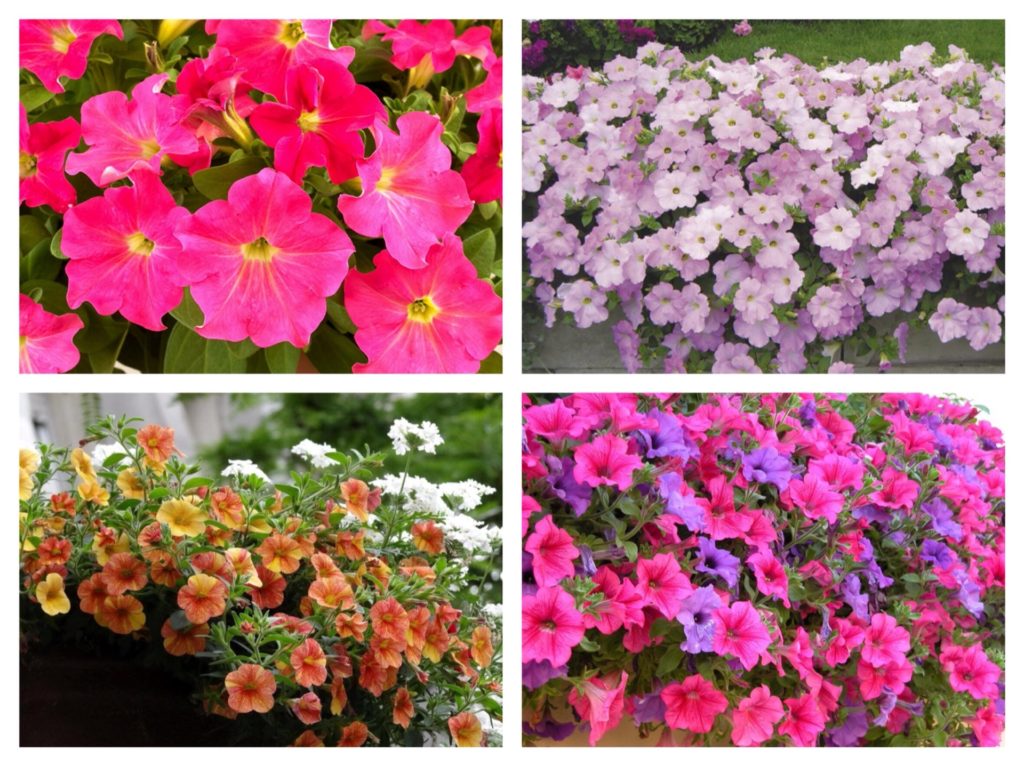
[[340, 605], [774, 569], [768, 216], [213, 196]]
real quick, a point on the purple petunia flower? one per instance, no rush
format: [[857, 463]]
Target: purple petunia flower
[[853, 728], [942, 519], [768, 466], [939, 554], [565, 487], [716, 561], [538, 673], [669, 439], [851, 595], [680, 504], [697, 617], [649, 707]]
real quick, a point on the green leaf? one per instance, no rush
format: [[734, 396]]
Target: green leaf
[[215, 182], [39, 264], [188, 352], [243, 349], [33, 96], [480, 249], [159, 492], [30, 232], [670, 662], [102, 360], [631, 550], [339, 317], [55, 249], [492, 364], [197, 482], [332, 352], [283, 357], [188, 312]]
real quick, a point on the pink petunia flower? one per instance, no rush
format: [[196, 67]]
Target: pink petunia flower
[[601, 704], [432, 45], [439, 319], [42, 149], [771, 576], [552, 626], [754, 718], [987, 725], [410, 196], [45, 339], [605, 461], [692, 704], [487, 95], [261, 264], [813, 496], [846, 637], [125, 136], [318, 122], [803, 721], [740, 632], [898, 490], [482, 169], [268, 48], [662, 584], [553, 553], [974, 673], [55, 48], [885, 641], [123, 254]]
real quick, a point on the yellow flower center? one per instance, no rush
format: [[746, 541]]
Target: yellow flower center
[[140, 245], [308, 121], [423, 310], [26, 165], [149, 148], [259, 250], [292, 33], [62, 39], [387, 178]]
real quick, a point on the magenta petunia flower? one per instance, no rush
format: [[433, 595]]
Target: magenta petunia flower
[[755, 717], [739, 631], [804, 720], [605, 461], [318, 122], [692, 704], [846, 637], [885, 641], [46, 342], [42, 149], [662, 584], [813, 496], [432, 43], [898, 490], [600, 704], [440, 319], [771, 576], [410, 196], [261, 264], [553, 552], [482, 170], [552, 626], [268, 48], [125, 135], [55, 48], [123, 254], [975, 674]]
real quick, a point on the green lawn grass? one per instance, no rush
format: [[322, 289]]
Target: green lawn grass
[[814, 41]]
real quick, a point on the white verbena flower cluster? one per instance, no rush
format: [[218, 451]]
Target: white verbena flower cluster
[[419, 496], [244, 468], [315, 453], [406, 436]]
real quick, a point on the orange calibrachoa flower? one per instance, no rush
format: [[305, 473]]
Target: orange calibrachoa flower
[[350, 545], [387, 651], [54, 551], [123, 572], [416, 634], [270, 593], [182, 518], [417, 566], [356, 495], [428, 537], [389, 619], [308, 739], [51, 596], [350, 625], [481, 647], [307, 708], [62, 503], [162, 568], [157, 442], [333, 592], [91, 593], [130, 485], [339, 695], [375, 678], [227, 508], [121, 614], [339, 662], [309, 663], [250, 688], [212, 563], [151, 535], [324, 565], [402, 711], [354, 735], [106, 542], [203, 597], [242, 566], [280, 553], [186, 641], [466, 730], [291, 623], [437, 641]]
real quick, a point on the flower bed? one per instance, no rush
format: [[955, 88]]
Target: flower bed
[[237, 196], [337, 605], [764, 569], [751, 217]]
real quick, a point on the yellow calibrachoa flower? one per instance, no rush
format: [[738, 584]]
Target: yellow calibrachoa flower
[[25, 485], [92, 490], [130, 485], [83, 464], [28, 464], [182, 517], [104, 553], [51, 596]]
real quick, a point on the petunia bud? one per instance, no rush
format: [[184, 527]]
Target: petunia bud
[[171, 29]]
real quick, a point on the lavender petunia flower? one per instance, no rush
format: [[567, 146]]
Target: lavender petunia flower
[[853, 728], [716, 561], [649, 707], [538, 673], [939, 554], [768, 466], [669, 439], [852, 596], [566, 488], [696, 615], [679, 504]]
